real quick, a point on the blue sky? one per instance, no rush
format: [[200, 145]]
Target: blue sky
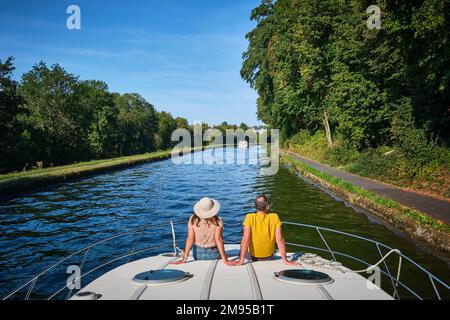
[[182, 56]]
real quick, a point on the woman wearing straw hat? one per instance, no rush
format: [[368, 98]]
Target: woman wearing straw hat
[[205, 233]]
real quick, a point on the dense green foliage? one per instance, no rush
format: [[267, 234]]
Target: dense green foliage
[[9, 109], [51, 117], [316, 65]]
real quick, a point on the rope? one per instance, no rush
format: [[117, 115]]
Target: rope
[[380, 261], [328, 265]]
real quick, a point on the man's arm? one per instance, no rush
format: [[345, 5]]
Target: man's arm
[[244, 244], [281, 244]]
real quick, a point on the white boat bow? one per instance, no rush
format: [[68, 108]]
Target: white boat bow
[[154, 278], [213, 280]]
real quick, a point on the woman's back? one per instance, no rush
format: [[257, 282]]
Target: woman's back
[[205, 233], [204, 230]]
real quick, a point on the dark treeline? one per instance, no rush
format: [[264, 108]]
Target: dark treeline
[[316, 66], [51, 117]]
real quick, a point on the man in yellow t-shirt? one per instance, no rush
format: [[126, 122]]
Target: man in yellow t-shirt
[[261, 231]]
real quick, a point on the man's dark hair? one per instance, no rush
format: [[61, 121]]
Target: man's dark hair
[[261, 202]]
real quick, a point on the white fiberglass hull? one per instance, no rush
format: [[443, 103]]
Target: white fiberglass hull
[[216, 281]]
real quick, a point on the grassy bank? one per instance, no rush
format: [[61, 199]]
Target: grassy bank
[[12, 183], [23, 181], [428, 171], [417, 225]]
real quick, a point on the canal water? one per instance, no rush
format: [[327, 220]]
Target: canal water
[[40, 228]]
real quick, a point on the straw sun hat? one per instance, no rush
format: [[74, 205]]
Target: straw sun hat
[[206, 208]]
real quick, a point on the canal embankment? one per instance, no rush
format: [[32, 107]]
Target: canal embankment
[[18, 182], [426, 230]]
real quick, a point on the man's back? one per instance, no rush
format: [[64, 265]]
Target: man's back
[[263, 230]]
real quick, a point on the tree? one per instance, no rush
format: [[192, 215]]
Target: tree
[[256, 67], [101, 120], [57, 122], [243, 126], [286, 63], [138, 124], [315, 65], [182, 123], [9, 110], [54, 118], [166, 125]]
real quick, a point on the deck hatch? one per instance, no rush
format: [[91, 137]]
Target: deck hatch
[[303, 276], [162, 276]]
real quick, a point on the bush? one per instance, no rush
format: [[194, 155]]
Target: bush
[[426, 169]]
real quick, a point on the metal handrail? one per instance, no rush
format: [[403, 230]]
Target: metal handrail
[[106, 264], [328, 249], [374, 242], [360, 261], [33, 280], [395, 294], [141, 230]]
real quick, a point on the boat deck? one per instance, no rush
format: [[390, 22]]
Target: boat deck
[[212, 280]]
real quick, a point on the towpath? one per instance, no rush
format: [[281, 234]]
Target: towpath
[[437, 208]]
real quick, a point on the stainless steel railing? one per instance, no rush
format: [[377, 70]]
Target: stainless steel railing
[[32, 282], [395, 281]]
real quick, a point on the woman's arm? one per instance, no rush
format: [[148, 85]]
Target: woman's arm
[[220, 246], [189, 243]]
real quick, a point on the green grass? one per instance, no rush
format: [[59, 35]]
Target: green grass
[[381, 203], [22, 181], [80, 166], [15, 182]]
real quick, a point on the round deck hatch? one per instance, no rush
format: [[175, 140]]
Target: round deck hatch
[[303, 276], [163, 276]]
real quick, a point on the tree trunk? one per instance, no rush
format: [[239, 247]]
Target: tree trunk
[[327, 129]]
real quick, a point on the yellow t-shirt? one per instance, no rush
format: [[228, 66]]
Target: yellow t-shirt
[[262, 239]]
